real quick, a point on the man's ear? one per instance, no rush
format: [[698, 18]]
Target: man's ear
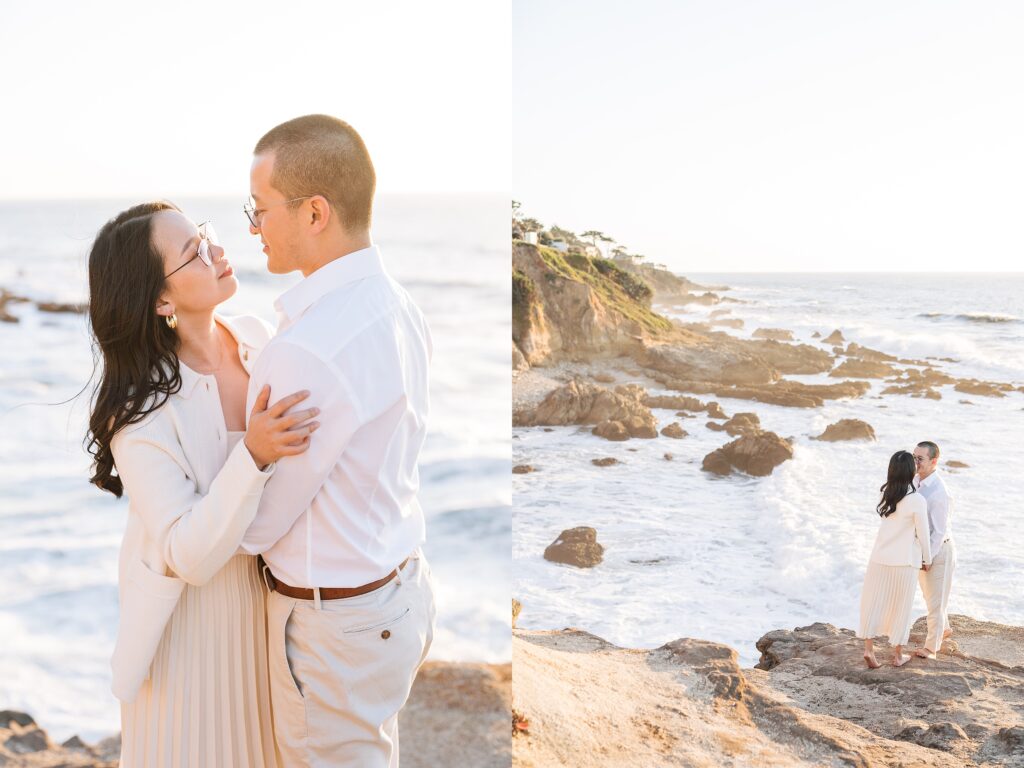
[[320, 213]]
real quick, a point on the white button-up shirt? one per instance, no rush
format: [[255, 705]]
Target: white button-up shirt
[[345, 512], [940, 508]]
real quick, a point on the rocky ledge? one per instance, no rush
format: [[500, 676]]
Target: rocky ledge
[[458, 714], [582, 701]]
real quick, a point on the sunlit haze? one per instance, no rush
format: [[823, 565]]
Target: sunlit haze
[[127, 99], [755, 136]]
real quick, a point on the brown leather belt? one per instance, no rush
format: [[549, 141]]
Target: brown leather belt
[[326, 593]]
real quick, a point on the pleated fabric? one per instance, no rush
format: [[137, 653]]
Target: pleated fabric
[[206, 703], [886, 602]]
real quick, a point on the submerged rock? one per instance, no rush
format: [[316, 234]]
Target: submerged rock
[[756, 454], [576, 546], [674, 431], [847, 429]]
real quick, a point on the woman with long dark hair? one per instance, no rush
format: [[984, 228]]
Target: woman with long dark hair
[[168, 427], [901, 548]]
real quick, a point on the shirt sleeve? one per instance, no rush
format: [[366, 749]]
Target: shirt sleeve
[[921, 528], [289, 368], [197, 534], [938, 519]]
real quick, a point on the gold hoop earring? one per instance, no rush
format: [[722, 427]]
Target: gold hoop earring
[[172, 322]]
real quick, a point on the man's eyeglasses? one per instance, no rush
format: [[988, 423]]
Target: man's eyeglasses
[[921, 459], [256, 214], [207, 237]]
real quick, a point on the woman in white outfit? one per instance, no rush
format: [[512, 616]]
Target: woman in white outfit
[[168, 426], [901, 548]]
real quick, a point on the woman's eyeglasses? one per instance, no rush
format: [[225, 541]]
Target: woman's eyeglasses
[[207, 237]]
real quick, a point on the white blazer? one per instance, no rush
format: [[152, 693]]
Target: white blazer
[[903, 536], [189, 506]]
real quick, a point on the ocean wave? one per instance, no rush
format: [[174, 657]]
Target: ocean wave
[[972, 317]]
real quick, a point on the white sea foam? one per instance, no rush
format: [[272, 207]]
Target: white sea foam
[[738, 557]]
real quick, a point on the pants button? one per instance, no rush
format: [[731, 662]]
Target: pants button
[[386, 634]]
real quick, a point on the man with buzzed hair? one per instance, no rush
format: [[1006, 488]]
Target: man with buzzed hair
[[937, 580], [350, 615]]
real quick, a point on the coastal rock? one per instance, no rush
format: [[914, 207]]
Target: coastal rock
[[983, 388], [728, 322], [815, 335], [739, 424], [862, 369], [914, 390], [687, 703], [9, 716], [792, 358], [62, 308], [32, 739], [607, 461], [674, 430], [576, 546], [519, 361], [713, 358], [773, 334], [604, 378], [836, 337], [580, 402], [522, 469], [957, 705], [755, 454], [715, 411], [793, 394], [717, 463], [517, 608], [719, 313], [864, 353], [957, 464], [612, 430], [847, 429], [675, 402]]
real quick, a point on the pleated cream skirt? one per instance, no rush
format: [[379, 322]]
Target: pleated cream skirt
[[207, 702], [886, 602]]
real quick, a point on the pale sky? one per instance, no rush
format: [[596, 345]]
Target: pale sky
[[136, 99], [762, 136]]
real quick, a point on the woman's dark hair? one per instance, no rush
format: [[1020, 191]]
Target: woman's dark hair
[[899, 483], [139, 351]]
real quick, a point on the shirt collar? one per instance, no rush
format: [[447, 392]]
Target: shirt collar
[[332, 275], [932, 478]]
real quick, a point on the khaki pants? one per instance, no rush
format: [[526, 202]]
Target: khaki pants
[[935, 585], [340, 674]]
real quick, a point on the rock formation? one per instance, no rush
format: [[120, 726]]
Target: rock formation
[[755, 453], [847, 429], [576, 546]]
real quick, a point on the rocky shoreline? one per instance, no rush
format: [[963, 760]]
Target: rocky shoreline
[[458, 714], [579, 700]]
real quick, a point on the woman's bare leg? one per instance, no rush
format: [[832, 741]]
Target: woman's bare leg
[[869, 654]]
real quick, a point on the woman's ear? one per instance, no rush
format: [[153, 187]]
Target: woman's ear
[[164, 308]]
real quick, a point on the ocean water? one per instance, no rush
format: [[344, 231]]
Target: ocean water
[[59, 536], [729, 559]]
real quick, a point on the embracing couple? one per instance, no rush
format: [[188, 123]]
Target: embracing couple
[[913, 539], [275, 603]]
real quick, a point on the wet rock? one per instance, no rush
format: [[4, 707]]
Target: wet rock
[[612, 430], [836, 337], [739, 424], [674, 431], [982, 388], [580, 402], [728, 322], [793, 358], [847, 429], [604, 378], [9, 716], [668, 457], [576, 546], [864, 353], [608, 461], [773, 334], [815, 335], [26, 742], [755, 454], [715, 411], [61, 308], [862, 369], [675, 402], [957, 464], [522, 469], [914, 390]]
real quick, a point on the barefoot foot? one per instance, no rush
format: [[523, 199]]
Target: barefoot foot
[[871, 661], [924, 653], [898, 659]]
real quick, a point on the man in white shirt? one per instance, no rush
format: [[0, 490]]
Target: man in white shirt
[[937, 580], [351, 612]]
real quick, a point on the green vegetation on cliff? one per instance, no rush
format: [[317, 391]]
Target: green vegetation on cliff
[[621, 291]]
